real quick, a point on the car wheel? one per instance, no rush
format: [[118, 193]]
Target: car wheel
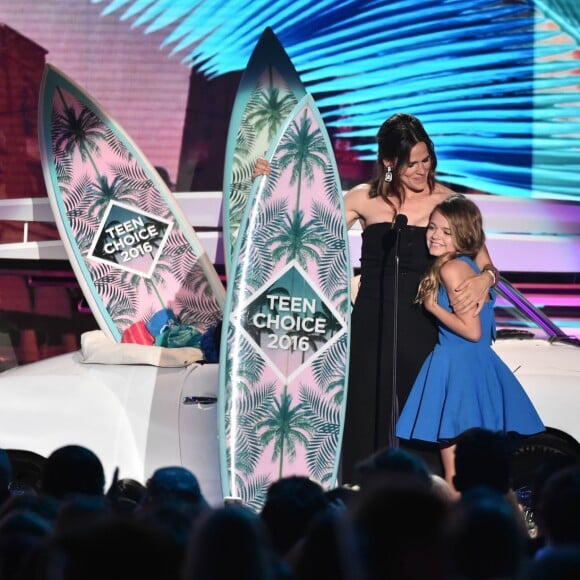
[[531, 452], [26, 471]]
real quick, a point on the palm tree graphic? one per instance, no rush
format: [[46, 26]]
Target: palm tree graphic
[[287, 426], [298, 240], [268, 108], [149, 284], [324, 416], [303, 149], [82, 131]]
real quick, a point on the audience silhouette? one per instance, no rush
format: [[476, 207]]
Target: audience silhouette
[[5, 475], [486, 536], [70, 470], [399, 531], [483, 457], [327, 550], [401, 522], [551, 465], [174, 483], [22, 532], [290, 506], [230, 542], [113, 547], [561, 563], [558, 510], [391, 462]]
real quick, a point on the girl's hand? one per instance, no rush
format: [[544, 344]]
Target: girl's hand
[[262, 168], [472, 293]]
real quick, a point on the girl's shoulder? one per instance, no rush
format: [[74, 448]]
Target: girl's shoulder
[[460, 261], [470, 261], [459, 267]]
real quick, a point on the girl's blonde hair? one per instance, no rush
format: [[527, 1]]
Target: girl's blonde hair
[[466, 225]]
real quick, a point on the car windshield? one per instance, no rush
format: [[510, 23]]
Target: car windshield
[[516, 316]]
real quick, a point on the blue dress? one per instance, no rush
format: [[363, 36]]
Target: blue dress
[[464, 384]]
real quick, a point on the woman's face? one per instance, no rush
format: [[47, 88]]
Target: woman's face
[[414, 174], [439, 237]]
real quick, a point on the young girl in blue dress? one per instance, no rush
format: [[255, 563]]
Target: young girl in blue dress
[[463, 383]]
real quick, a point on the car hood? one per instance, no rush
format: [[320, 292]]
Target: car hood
[[538, 356], [550, 375]]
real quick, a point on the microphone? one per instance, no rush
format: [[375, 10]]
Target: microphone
[[401, 221]]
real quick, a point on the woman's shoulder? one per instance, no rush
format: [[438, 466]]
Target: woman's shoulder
[[442, 190], [360, 190], [359, 205]]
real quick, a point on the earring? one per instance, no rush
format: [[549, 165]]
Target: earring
[[389, 174]]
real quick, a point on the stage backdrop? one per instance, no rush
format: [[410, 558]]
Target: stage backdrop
[[495, 83]]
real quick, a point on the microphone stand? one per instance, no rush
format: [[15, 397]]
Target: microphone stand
[[400, 223]]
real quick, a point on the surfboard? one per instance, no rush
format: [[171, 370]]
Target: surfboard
[[285, 335], [137, 260], [268, 91]]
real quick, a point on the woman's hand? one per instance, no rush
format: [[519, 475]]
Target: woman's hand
[[472, 293], [262, 168], [430, 302]]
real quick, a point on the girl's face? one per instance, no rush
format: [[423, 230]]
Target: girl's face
[[439, 238], [414, 175]]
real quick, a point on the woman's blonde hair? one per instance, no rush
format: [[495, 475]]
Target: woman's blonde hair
[[466, 225]]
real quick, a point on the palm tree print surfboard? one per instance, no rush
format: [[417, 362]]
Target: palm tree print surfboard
[[284, 362], [133, 252]]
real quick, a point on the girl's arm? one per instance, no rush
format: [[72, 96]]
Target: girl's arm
[[472, 293], [467, 324]]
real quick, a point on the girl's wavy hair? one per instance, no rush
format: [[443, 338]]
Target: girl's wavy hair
[[466, 225]]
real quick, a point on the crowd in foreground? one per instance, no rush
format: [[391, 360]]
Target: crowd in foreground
[[402, 522]]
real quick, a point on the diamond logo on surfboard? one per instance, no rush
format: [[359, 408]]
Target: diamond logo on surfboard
[[130, 239], [289, 322]]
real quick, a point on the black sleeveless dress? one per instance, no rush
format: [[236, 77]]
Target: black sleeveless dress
[[368, 411]]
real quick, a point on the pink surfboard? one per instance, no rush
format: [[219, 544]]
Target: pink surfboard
[[285, 336], [137, 259]]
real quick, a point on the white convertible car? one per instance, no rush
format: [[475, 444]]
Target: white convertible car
[[140, 416]]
